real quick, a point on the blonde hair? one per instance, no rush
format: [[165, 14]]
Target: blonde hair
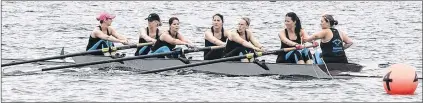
[[247, 20]]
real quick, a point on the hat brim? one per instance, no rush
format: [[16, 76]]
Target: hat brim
[[112, 16]]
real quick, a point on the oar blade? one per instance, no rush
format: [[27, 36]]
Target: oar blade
[[76, 54]]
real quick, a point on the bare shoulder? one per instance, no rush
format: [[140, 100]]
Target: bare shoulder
[[249, 31], [142, 28], [282, 31], [302, 30], [343, 32], [96, 30], [208, 31], [326, 31], [111, 28], [164, 33], [227, 32], [232, 31], [161, 31]]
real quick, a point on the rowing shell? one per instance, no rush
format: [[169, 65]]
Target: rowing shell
[[228, 68]]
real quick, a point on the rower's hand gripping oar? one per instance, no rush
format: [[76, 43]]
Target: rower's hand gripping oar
[[134, 57], [78, 54], [250, 55]]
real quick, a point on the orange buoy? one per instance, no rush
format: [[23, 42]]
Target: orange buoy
[[401, 79]]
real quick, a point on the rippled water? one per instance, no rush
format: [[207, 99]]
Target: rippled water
[[382, 31]]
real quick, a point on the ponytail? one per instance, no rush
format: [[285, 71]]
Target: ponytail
[[297, 21], [298, 26]]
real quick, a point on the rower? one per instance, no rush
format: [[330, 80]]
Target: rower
[[215, 36], [291, 36], [332, 43], [169, 39], [242, 40], [104, 35], [149, 34]]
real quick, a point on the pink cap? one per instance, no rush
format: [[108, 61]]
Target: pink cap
[[104, 16]]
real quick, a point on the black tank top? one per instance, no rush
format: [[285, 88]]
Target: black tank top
[[333, 48], [298, 40], [92, 41], [142, 40], [223, 38], [231, 45], [159, 43], [215, 54]]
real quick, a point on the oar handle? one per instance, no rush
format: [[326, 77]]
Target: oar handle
[[280, 50], [126, 47], [213, 50], [204, 48]]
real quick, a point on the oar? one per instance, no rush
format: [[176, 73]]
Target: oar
[[250, 55], [78, 54], [136, 57]]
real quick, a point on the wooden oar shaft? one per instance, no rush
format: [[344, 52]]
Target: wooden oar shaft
[[78, 54], [132, 58], [218, 60]]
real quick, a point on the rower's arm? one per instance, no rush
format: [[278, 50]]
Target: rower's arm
[[233, 36], [304, 35], [284, 39], [103, 36], [166, 37], [143, 34], [318, 35], [183, 39], [254, 40], [347, 40], [209, 37], [117, 35]]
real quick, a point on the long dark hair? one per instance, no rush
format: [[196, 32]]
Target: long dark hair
[[297, 21], [221, 17]]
